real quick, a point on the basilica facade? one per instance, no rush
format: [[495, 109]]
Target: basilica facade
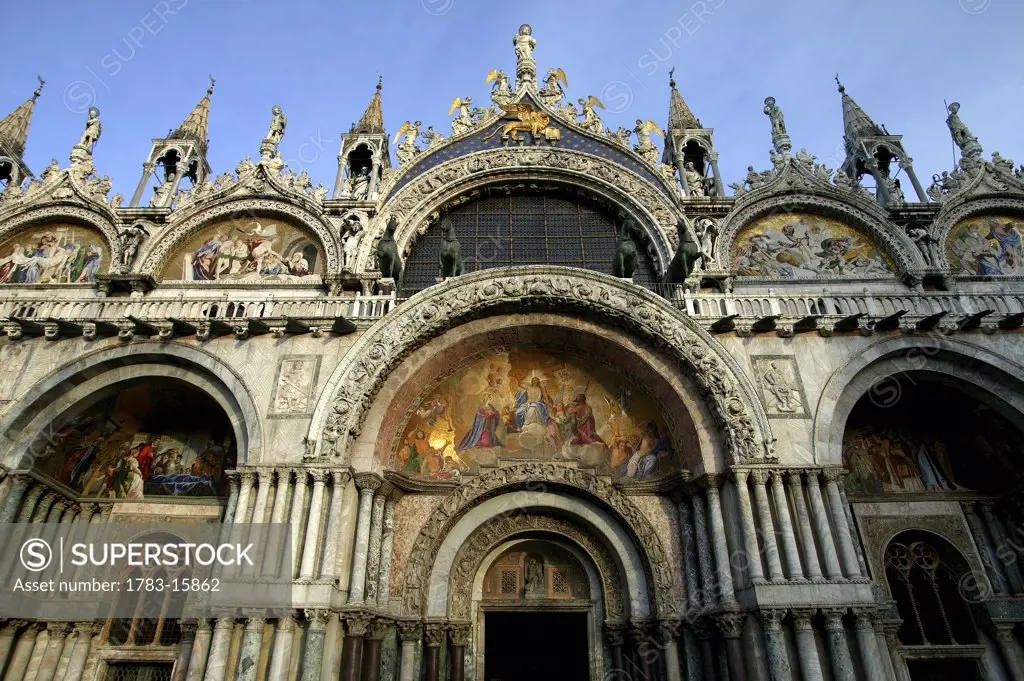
[[535, 397]]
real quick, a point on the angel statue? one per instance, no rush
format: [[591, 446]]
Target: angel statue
[[407, 149], [92, 131], [553, 93], [467, 116], [591, 121], [644, 146], [501, 91]]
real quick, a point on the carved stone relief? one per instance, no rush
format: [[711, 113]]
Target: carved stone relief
[[779, 385]]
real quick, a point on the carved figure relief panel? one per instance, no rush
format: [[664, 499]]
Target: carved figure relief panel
[[536, 570], [53, 254], [778, 381], [528, 404], [294, 385], [987, 245], [802, 245], [248, 249]]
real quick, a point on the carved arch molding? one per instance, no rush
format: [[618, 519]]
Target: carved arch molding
[[414, 203], [39, 216], [485, 539], [722, 383], [509, 479]]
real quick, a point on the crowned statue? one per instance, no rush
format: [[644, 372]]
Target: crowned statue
[[526, 67]]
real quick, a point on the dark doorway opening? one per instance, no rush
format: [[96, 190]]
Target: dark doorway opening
[[536, 646], [943, 670]]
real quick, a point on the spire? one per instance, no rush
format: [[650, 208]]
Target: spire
[[195, 126], [14, 126], [856, 123], [372, 121], [679, 115]]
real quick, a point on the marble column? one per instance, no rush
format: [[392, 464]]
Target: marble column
[[638, 631], [88, 638], [796, 488], [19, 486], [807, 649], [58, 632], [718, 540], [410, 633], [312, 543], [188, 640], [792, 553], [281, 655], [705, 632], [246, 479], [313, 656], [775, 643], [22, 654], [249, 655], [200, 651], [264, 478], [459, 634], [668, 633], [278, 512], [988, 558], [356, 625], [386, 546], [329, 565], [373, 548], [615, 637], [707, 570], [753, 561], [435, 634], [229, 509], [846, 549], [764, 515], [838, 648], [857, 544], [43, 508], [375, 635], [7, 636], [693, 585], [691, 653], [1010, 649], [867, 642], [296, 516], [995, 529], [220, 646], [822, 529], [368, 485], [731, 626]]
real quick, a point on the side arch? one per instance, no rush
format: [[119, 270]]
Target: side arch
[[40, 216], [31, 411], [727, 390]]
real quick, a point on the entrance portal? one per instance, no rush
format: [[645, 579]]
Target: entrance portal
[[538, 646]]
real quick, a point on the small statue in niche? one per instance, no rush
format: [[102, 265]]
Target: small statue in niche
[[361, 184], [624, 264], [451, 251], [533, 577], [685, 259], [389, 262], [350, 243], [694, 180], [925, 242], [131, 238], [708, 231]]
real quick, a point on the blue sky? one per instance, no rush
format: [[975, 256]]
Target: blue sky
[[145, 64]]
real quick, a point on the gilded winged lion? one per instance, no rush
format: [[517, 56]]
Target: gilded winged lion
[[524, 118]]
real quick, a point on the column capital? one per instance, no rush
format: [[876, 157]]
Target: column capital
[[379, 628], [341, 476], [1003, 632], [247, 477], [731, 623], [368, 482], [771, 618], [802, 618], [739, 475], [460, 633], [385, 490], [640, 631], [286, 622], [58, 630], [668, 630], [319, 475], [711, 481], [224, 622], [833, 618], [357, 623], [864, 619], [833, 474], [703, 627], [410, 630], [255, 621], [188, 629], [203, 624], [435, 633], [759, 475], [14, 625], [317, 618], [812, 477], [615, 634]]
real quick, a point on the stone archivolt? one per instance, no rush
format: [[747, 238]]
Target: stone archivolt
[[730, 396], [511, 478]]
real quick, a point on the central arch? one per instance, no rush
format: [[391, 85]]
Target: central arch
[[727, 391]]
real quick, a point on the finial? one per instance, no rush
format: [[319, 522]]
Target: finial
[[39, 90], [209, 90], [841, 88], [671, 78], [380, 81]]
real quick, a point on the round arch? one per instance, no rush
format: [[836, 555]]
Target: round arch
[[62, 389], [425, 197], [77, 214], [582, 499], [357, 380], [156, 253], [955, 212], [876, 370]]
